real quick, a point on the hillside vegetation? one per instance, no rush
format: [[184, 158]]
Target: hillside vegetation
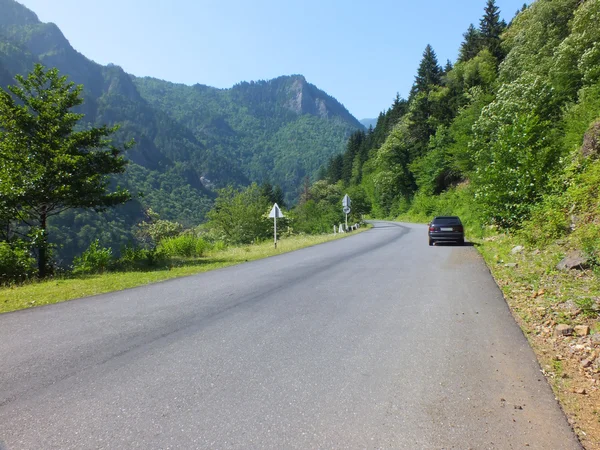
[[189, 140]]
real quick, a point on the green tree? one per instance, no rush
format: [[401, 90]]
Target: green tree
[[471, 44], [47, 164], [429, 73], [515, 150], [490, 29], [240, 217]]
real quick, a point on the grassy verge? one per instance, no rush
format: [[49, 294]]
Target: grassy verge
[[39, 293]]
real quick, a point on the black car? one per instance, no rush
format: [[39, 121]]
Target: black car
[[446, 229]]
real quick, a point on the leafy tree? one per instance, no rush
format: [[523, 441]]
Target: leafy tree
[[240, 217], [154, 229], [46, 165], [577, 59], [533, 38], [515, 150]]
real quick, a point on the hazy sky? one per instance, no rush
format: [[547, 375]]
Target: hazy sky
[[360, 53]]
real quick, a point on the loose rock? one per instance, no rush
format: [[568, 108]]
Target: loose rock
[[574, 260], [582, 330], [517, 249], [563, 330]]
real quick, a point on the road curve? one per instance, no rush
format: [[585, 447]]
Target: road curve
[[373, 341]]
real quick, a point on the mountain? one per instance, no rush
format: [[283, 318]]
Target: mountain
[[282, 130], [189, 139], [278, 130], [368, 123]]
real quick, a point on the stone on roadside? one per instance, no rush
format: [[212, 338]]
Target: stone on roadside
[[517, 249], [511, 265], [563, 330], [586, 363], [582, 330], [574, 260]]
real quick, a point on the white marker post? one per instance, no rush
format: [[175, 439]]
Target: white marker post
[[346, 207], [274, 214]]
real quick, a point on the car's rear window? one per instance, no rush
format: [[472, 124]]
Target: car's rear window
[[446, 221]]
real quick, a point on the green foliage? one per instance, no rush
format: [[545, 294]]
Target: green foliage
[[154, 230], [16, 262], [138, 258], [533, 37], [241, 216], [588, 307], [490, 29], [48, 164], [320, 209], [548, 221], [184, 245], [95, 259], [515, 151], [577, 58], [391, 177], [470, 45]]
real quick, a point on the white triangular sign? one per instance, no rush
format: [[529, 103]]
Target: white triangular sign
[[275, 212]]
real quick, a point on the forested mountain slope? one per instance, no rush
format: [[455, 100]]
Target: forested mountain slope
[[282, 129], [189, 139]]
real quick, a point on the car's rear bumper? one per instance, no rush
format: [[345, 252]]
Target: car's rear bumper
[[447, 236]]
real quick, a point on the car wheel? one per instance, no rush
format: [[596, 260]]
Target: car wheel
[[430, 241]]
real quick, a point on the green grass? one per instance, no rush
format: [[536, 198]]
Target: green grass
[[37, 293]]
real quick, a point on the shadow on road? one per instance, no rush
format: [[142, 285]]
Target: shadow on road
[[454, 244]]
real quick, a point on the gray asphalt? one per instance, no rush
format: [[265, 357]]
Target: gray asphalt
[[373, 341]]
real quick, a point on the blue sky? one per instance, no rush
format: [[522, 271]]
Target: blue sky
[[360, 53]]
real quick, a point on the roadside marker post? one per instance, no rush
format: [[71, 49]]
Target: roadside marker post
[[274, 214], [346, 207]]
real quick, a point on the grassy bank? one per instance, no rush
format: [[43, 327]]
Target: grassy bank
[[37, 293]]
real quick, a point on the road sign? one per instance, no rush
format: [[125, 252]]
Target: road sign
[[346, 210], [275, 212], [346, 201]]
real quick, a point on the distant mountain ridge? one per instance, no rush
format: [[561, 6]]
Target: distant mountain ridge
[[281, 130], [368, 123]]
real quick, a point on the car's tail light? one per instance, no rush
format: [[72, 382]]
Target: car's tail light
[[432, 228], [459, 228]]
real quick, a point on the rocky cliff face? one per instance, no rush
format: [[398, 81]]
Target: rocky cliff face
[[306, 98]]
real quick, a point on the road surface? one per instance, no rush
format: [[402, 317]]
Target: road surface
[[373, 341]]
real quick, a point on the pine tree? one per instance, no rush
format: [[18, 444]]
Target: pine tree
[[422, 123], [55, 164], [278, 196], [471, 45], [429, 73], [490, 28], [398, 109], [334, 170]]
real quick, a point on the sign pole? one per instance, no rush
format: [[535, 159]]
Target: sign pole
[[346, 221], [274, 214]]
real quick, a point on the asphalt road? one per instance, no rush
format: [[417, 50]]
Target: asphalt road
[[373, 341]]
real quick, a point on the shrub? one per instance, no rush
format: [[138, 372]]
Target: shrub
[[185, 245], [16, 262], [136, 258], [95, 259]]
